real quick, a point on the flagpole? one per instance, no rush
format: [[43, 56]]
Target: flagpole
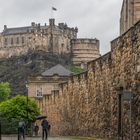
[[51, 12]]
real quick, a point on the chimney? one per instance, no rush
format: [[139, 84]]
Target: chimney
[[61, 25], [33, 24], [52, 22], [5, 27]]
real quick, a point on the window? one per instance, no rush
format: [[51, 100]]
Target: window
[[39, 91], [22, 40], [12, 41], [5, 41], [62, 48], [56, 87], [17, 40]]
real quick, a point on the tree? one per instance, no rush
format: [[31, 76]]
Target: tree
[[4, 91], [12, 110]]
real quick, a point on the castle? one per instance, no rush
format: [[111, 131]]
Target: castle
[[96, 103], [50, 38]]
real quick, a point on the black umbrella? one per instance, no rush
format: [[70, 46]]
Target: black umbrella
[[40, 117]]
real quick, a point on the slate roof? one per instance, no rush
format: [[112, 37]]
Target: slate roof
[[19, 30], [58, 69]]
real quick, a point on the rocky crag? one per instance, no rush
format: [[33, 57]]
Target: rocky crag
[[17, 69]]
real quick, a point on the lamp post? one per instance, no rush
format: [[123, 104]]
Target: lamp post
[[0, 130], [27, 86], [120, 110]]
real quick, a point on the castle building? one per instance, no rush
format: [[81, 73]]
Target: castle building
[[130, 14], [50, 38], [56, 39], [47, 83]]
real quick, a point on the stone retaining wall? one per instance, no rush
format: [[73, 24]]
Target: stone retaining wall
[[87, 104]]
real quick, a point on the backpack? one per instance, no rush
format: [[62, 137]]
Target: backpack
[[45, 124]]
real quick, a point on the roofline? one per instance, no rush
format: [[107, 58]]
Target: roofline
[[122, 5]]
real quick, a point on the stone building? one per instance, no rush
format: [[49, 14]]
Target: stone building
[[85, 50], [49, 38], [47, 83], [58, 39], [130, 14]]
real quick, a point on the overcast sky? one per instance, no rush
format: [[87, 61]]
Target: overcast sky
[[94, 18]]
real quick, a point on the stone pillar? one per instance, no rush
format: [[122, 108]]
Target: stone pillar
[[52, 22]]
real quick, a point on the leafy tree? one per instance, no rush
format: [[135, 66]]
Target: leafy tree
[[4, 91], [12, 110], [17, 107]]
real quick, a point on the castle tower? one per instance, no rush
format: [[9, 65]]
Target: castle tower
[[130, 14], [84, 50]]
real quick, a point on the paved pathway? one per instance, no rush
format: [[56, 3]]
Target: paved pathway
[[36, 138]]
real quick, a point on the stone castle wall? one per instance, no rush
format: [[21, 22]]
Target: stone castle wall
[[88, 103]]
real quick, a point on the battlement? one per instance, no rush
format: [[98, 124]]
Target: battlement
[[84, 50], [84, 41], [64, 26]]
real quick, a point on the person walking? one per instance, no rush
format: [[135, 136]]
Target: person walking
[[32, 127], [36, 129], [21, 132], [45, 125]]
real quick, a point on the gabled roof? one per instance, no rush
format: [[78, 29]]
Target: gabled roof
[[58, 69]]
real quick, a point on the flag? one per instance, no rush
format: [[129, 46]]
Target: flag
[[53, 8]]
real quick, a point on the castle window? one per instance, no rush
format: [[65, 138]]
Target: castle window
[[39, 91], [56, 87], [22, 40], [17, 40], [62, 47], [12, 41], [5, 41]]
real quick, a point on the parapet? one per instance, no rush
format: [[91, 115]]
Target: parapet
[[64, 26], [85, 41]]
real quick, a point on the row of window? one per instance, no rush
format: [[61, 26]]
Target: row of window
[[13, 41], [39, 90]]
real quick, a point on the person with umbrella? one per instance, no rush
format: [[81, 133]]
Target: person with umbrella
[[45, 126]]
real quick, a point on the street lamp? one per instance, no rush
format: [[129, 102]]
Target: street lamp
[[0, 130], [120, 124], [27, 86]]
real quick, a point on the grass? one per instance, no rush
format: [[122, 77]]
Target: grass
[[75, 70]]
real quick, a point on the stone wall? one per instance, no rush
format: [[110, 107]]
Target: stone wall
[[130, 14], [88, 103]]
